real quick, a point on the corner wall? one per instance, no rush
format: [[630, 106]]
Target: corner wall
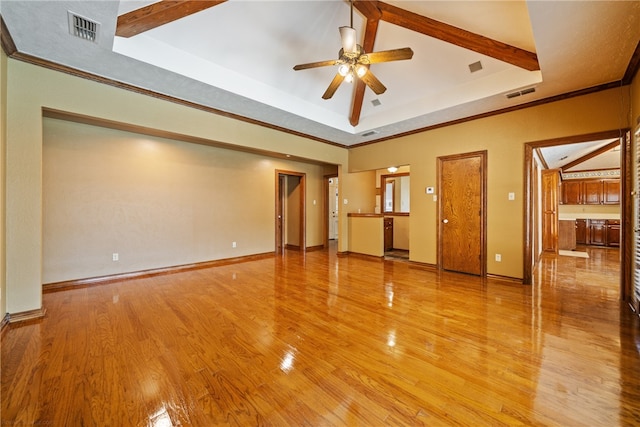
[[31, 88], [503, 136]]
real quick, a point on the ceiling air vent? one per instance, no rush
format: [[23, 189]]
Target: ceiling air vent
[[521, 92], [376, 102], [82, 27], [371, 132], [476, 66]]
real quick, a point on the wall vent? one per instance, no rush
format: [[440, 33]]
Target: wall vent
[[521, 92], [82, 27], [371, 132], [376, 102]]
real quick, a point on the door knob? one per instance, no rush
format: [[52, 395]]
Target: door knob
[[446, 221]]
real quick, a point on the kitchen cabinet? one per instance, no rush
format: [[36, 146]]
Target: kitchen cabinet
[[611, 192], [572, 192], [388, 234], [581, 232], [613, 233], [566, 235], [591, 192], [597, 232]]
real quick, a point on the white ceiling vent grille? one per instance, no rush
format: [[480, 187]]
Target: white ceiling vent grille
[[82, 27], [521, 92], [370, 133]]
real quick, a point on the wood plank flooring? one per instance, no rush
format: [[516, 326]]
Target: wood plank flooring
[[317, 340]]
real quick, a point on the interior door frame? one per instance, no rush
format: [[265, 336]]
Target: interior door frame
[[279, 201], [483, 206], [325, 208], [626, 208]]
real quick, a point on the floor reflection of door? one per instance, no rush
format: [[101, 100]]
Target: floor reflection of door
[[462, 206]]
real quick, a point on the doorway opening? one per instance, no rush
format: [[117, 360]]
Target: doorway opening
[[576, 200], [290, 224], [332, 206]]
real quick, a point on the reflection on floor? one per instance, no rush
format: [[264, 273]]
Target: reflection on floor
[[397, 255]]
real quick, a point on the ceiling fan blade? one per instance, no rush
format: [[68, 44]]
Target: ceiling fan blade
[[315, 64], [373, 82], [386, 56], [333, 86], [157, 14]]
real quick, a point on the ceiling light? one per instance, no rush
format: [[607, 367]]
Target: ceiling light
[[392, 169], [343, 69], [361, 70]]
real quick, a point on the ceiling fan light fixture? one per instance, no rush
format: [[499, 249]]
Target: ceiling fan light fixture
[[343, 69], [361, 70], [348, 78], [348, 37]]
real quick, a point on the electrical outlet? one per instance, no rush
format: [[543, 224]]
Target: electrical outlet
[[498, 258], [233, 244], [115, 256]]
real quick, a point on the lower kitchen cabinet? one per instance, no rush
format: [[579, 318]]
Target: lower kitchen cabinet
[[613, 233], [598, 232]]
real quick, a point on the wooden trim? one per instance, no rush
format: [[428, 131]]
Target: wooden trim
[[505, 278], [154, 15], [143, 130], [363, 256], [343, 254], [25, 316], [364, 215], [541, 157], [315, 248], [6, 40], [627, 237], [292, 247], [302, 207], [143, 274], [125, 86], [4, 325], [423, 265], [513, 108], [459, 37], [368, 42], [626, 204], [592, 154], [633, 67]]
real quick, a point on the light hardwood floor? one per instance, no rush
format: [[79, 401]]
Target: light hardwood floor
[[318, 340]]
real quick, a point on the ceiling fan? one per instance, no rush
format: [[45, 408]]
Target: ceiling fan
[[353, 62]]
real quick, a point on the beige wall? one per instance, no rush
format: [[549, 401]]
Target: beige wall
[[366, 235], [30, 88], [158, 202], [3, 145], [503, 137]]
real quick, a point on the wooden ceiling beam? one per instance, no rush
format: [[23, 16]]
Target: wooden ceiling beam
[[368, 42], [463, 38], [157, 14], [369, 8], [591, 155]]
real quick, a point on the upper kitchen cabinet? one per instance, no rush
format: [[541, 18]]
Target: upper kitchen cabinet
[[591, 192]]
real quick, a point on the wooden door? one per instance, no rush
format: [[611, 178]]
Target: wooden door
[[461, 213], [550, 185]]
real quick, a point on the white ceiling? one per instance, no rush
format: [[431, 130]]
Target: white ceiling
[[559, 155], [239, 56]]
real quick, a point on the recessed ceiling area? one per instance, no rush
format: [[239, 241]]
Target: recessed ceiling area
[[583, 156], [238, 56]]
